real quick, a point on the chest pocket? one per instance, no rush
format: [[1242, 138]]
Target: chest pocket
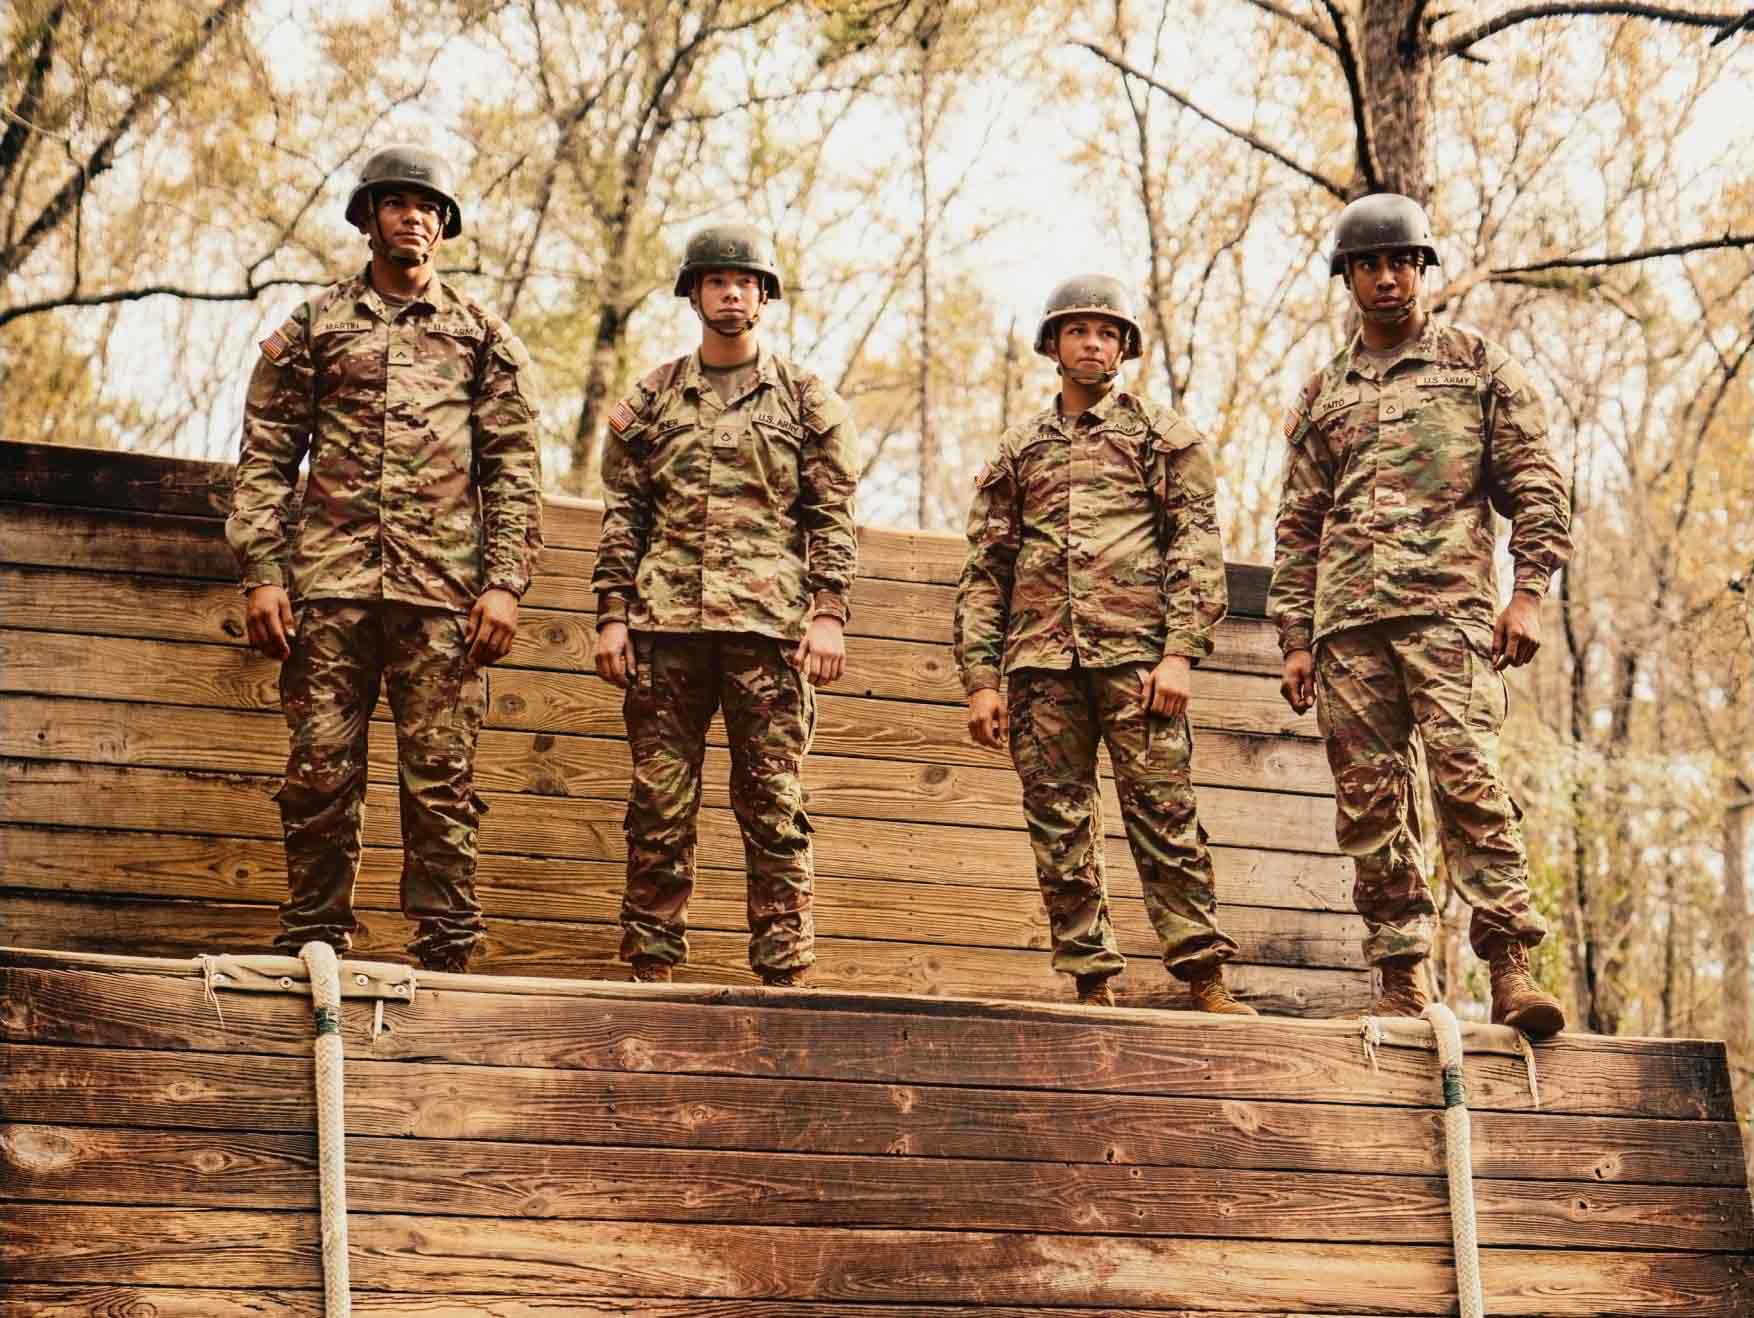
[[346, 354], [775, 447], [1340, 419]]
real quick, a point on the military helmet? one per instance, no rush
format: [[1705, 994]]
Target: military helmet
[[1381, 222], [405, 166], [729, 247], [1101, 295]]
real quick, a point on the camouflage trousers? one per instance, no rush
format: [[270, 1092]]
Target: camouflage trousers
[[342, 652], [1376, 686], [770, 716], [1056, 718]]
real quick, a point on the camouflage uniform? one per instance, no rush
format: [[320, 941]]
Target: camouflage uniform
[[1384, 566], [424, 491], [1093, 553], [727, 526]]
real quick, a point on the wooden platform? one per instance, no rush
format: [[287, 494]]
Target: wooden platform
[[533, 1148], [140, 745]]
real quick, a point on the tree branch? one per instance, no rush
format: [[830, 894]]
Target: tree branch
[[1743, 24], [101, 158], [22, 118], [1355, 89], [1308, 26], [1629, 258], [1459, 44], [1241, 135]]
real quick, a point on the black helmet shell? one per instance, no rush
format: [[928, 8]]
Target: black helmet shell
[[729, 247], [1381, 222], [405, 166], [1101, 295]]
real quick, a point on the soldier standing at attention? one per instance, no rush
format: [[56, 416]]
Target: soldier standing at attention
[[1094, 582], [1385, 598], [722, 576], [419, 528]]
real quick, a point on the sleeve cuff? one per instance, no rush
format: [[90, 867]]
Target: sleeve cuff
[[1189, 645], [611, 607], [1533, 580], [516, 588], [984, 678], [830, 604], [266, 573], [1293, 639]]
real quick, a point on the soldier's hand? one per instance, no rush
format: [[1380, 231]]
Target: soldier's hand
[[615, 662], [1166, 688], [1518, 633], [492, 625], [988, 723], [268, 621], [822, 655], [1297, 682]]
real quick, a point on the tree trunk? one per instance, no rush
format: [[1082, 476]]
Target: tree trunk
[[1735, 923], [1398, 76], [928, 441]]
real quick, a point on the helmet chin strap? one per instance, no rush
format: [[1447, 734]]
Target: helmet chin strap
[[1089, 379], [382, 247], [728, 327]]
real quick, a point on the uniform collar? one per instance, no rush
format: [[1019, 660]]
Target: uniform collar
[[365, 297], [1428, 347], [693, 375], [1104, 408]]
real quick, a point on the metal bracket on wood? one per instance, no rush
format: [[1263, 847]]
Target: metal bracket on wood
[[382, 980]]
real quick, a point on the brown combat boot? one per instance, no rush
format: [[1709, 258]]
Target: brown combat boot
[[785, 978], [650, 970], [1093, 990], [1402, 991], [1516, 998], [451, 961], [1207, 992]]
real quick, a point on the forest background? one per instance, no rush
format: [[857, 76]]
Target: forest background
[[172, 174]]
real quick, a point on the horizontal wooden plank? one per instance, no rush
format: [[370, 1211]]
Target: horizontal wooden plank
[[209, 868], [122, 481], [102, 797], [896, 1042], [235, 1092], [474, 1178], [179, 1247], [901, 909], [172, 609], [854, 963]]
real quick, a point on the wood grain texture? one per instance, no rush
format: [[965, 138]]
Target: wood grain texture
[[476, 1178], [857, 964], [419, 1100], [954, 1043], [178, 1247]]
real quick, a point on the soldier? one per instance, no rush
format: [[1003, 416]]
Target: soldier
[[1094, 582], [1384, 594], [419, 528], [722, 576]]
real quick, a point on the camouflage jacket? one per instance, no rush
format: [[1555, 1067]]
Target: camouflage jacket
[[425, 485], [721, 517], [1390, 484], [1092, 542]]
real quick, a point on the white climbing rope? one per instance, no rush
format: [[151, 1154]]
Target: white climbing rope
[[325, 972], [1458, 1160]]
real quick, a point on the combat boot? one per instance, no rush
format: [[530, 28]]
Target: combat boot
[[784, 978], [1402, 989], [650, 970], [1516, 998], [1093, 990], [1207, 992], [451, 961]]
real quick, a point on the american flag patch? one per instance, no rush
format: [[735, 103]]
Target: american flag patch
[[276, 346], [1291, 419], [621, 417]]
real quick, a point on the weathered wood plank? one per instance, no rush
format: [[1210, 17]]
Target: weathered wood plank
[[119, 732], [101, 797], [956, 1043], [859, 964], [244, 869], [232, 1092], [590, 892], [176, 1247], [169, 609], [474, 1178]]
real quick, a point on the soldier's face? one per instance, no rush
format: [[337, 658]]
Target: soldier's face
[[1089, 343], [728, 300], [410, 221], [1384, 284]]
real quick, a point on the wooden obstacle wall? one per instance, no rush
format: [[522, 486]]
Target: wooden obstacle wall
[[536, 1149], [142, 744]]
